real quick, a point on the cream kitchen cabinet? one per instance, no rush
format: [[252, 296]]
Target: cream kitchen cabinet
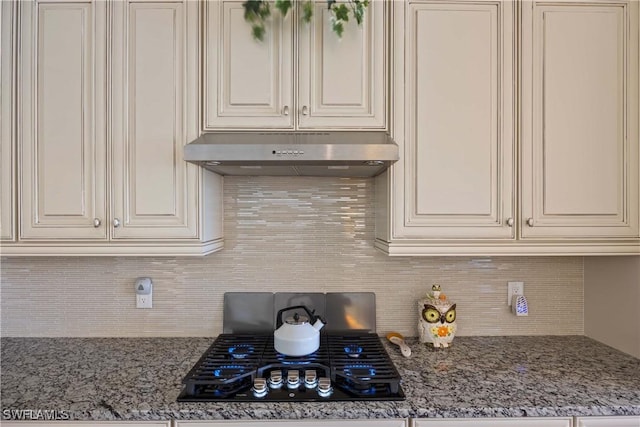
[[580, 119], [109, 96], [62, 120], [291, 423], [86, 423], [331, 83], [470, 180], [494, 422], [622, 421], [7, 122], [457, 131]]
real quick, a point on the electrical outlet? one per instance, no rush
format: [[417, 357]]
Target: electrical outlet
[[144, 292], [144, 301], [514, 288]]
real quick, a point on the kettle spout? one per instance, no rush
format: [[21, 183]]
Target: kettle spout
[[319, 324]]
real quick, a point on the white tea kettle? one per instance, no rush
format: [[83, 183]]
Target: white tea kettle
[[296, 336]]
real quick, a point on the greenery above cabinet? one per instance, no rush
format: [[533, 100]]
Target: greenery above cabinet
[[257, 12], [299, 76]]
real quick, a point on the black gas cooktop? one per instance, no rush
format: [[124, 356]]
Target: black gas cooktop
[[246, 368]]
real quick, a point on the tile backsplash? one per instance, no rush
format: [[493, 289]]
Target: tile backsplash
[[285, 234]]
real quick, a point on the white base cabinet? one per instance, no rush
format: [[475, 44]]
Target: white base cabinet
[[623, 421], [494, 422], [292, 423], [613, 421], [86, 423]]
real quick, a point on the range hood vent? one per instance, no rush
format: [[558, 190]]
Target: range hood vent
[[346, 154]]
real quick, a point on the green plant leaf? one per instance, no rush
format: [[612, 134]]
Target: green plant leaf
[[337, 27], [258, 31], [358, 8], [342, 13], [251, 8], [283, 6], [265, 11], [307, 11], [257, 12]]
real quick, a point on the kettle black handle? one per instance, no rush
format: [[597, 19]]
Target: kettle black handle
[[312, 317]]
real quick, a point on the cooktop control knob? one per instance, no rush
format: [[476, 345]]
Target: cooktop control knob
[[293, 379], [324, 387], [275, 379], [310, 378], [260, 387]]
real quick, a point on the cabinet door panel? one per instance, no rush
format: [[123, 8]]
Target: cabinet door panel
[[152, 184], [495, 422], [342, 81], [62, 120], [305, 423], [7, 124], [623, 421], [248, 83], [84, 423], [580, 110], [459, 152]]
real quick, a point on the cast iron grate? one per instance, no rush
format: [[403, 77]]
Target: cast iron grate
[[357, 364]]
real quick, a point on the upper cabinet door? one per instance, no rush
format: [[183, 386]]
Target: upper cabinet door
[[61, 84], [580, 119], [7, 122], [459, 137], [343, 81], [154, 92], [248, 83]]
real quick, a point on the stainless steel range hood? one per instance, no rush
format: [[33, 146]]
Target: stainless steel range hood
[[348, 154]]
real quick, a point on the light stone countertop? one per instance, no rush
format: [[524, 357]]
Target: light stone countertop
[[140, 378]]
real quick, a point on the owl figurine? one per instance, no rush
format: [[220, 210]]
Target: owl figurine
[[437, 319]]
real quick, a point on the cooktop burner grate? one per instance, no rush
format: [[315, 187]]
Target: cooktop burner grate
[[245, 367]]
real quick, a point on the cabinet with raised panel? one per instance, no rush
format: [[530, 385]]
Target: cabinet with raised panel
[[495, 422], [7, 122], [616, 421], [287, 423], [328, 83], [154, 97], [456, 134], [109, 96], [62, 120], [580, 119], [86, 423], [496, 162]]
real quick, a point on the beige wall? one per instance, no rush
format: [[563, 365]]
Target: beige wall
[[285, 234], [612, 302]]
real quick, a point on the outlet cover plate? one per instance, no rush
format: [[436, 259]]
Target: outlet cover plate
[[144, 301], [514, 288]]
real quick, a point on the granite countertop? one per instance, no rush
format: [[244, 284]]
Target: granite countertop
[[140, 378]]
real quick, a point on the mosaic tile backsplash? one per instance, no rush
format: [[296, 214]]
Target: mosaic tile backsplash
[[285, 234]]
